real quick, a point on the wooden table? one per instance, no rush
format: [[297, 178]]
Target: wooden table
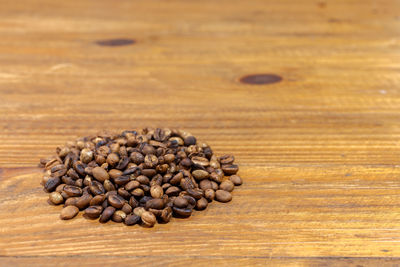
[[305, 94]]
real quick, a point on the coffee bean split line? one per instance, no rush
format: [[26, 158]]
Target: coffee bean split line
[[138, 177]]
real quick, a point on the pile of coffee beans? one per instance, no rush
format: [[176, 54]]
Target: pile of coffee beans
[[138, 177]]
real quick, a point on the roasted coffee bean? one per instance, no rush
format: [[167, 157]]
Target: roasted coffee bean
[[182, 212], [227, 185], [148, 150], [201, 161], [214, 186], [201, 204], [71, 201], [100, 174], [186, 163], [116, 201], [59, 170], [166, 215], [168, 158], [230, 169], [200, 174], [156, 180], [122, 163], [236, 180], [216, 177], [223, 196], [143, 179], [133, 202], [97, 200], [156, 191], [138, 211], [226, 159], [129, 170], [60, 188], [132, 219], [148, 218], [114, 173], [122, 180], [108, 186], [196, 192], [181, 202], [86, 155], [65, 195], [107, 214], [79, 168], [205, 184], [56, 198], [72, 191], [189, 140], [83, 201], [123, 193], [126, 208], [93, 212], [137, 157], [138, 192], [132, 185], [209, 194], [73, 174], [118, 216], [100, 159], [96, 188], [112, 159], [79, 183], [172, 191], [68, 180], [149, 172], [155, 203], [52, 183], [69, 212], [176, 179]]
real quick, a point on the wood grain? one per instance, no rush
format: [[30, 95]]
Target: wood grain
[[318, 150]]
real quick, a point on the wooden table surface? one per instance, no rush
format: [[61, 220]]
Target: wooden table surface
[[316, 131]]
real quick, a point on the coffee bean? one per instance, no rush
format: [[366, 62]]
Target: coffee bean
[[143, 179], [118, 216], [137, 157], [201, 161], [200, 174], [71, 201], [116, 201], [149, 172], [97, 200], [190, 140], [72, 191], [205, 184], [122, 163], [230, 169], [56, 198], [122, 180], [108, 186], [226, 159], [132, 219], [172, 191], [168, 158], [100, 174], [132, 185], [148, 150], [93, 212], [182, 212], [79, 168], [201, 204], [223, 196], [197, 193], [166, 215], [155, 203], [114, 173], [69, 212], [138, 211], [107, 214], [216, 177], [83, 201], [176, 179], [138, 192], [123, 193], [86, 155], [52, 184], [148, 218], [209, 194], [112, 159], [96, 188], [236, 180], [126, 208], [227, 185], [181, 202], [156, 191]]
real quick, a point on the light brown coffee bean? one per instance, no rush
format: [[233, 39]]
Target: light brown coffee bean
[[236, 180], [100, 174], [56, 198], [69, 212], [209, 194], [227, 185], [200, 174], [201, 204], [148, 219], [223, 196], [156, 191]]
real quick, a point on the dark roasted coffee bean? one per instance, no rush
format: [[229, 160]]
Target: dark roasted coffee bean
[[133, 202], [132, 219], [181, 202], [223, 196], [58, 170], [105, 204], [52, 183], [122, 163], [230, 169], [172, 191], [182, 212], [156, 180], [145, 188], [69, 212], [73, 174], [227, 185], [68, 180], [72, 191], [191, 200], [65, 195], [129, 171], [165, 186], [144, 199], [97, 200], [155, 203], [107, 214], [56, 198], [79, 183], [186, 163], [195, 192], [201, 204], [236, 180], [93, 212], [122, 180], [226, 159], [116, 201], [79, 168], [126, 208], [96, 188], [190, 140]]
